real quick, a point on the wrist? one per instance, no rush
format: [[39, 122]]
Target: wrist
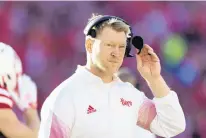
[[158, 87], [155, 80]]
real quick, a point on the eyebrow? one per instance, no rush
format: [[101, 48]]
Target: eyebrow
[[115, 43]]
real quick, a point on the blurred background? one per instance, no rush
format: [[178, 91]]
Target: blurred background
[[48, 36]]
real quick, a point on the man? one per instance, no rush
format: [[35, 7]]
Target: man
[[94, 103], [16, 88], [126, 75]]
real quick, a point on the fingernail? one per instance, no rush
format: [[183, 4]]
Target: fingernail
[[138, 51]]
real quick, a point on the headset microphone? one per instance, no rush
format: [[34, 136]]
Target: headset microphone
[[138, 43]]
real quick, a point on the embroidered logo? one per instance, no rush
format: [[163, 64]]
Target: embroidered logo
[[125, 103], [91, 109]]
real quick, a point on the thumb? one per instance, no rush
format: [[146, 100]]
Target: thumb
[[139, 61]]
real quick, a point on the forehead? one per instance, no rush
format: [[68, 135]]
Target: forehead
[[110, 35]]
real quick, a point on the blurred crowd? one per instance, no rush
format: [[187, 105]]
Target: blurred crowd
[[48, 36]]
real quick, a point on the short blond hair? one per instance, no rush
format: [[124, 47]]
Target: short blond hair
[[113, 23]]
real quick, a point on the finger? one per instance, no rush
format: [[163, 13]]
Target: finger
[[139, 61], [138, 51], [153, 56], [145, 49], [148, 48], [146, 58]]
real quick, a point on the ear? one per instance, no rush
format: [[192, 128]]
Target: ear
[[89, 44]]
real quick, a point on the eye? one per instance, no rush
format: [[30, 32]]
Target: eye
[[122, 46], [109, 44]]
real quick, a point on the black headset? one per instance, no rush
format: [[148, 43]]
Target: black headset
[[90, 29]]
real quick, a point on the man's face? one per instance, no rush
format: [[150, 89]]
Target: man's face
[[108, 50]]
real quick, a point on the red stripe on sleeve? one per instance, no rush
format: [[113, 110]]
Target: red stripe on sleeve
[[58, 128], [2, 95], [147, 113], [5, 101], [4, 106]]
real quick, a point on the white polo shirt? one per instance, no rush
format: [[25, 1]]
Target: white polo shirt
[[85, 107]]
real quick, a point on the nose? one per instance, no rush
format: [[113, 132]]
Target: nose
[[115, 52]]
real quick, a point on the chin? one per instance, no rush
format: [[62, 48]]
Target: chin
[[113, 71]]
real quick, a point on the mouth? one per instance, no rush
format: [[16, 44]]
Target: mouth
[[113, 61]]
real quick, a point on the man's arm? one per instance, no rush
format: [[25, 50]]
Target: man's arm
[[164, 115], [53, 127], [11, 127], [57, 115]]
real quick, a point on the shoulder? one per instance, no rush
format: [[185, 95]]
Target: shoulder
[[60, 101], [63, 94], [68, 87]]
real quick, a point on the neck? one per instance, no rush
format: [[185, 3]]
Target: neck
[[106, 77]]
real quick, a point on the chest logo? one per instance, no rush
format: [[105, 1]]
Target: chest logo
[[125, 102], [91, 110]]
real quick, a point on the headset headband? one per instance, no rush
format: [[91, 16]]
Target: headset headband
[[99, 20]]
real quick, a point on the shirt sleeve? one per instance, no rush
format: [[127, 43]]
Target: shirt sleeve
[[57, 117], [162, 116], [5, 99]]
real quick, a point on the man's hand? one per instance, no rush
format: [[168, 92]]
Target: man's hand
[[148, 64], [26, 96]]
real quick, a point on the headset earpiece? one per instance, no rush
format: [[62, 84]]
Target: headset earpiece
[[92, 33]]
